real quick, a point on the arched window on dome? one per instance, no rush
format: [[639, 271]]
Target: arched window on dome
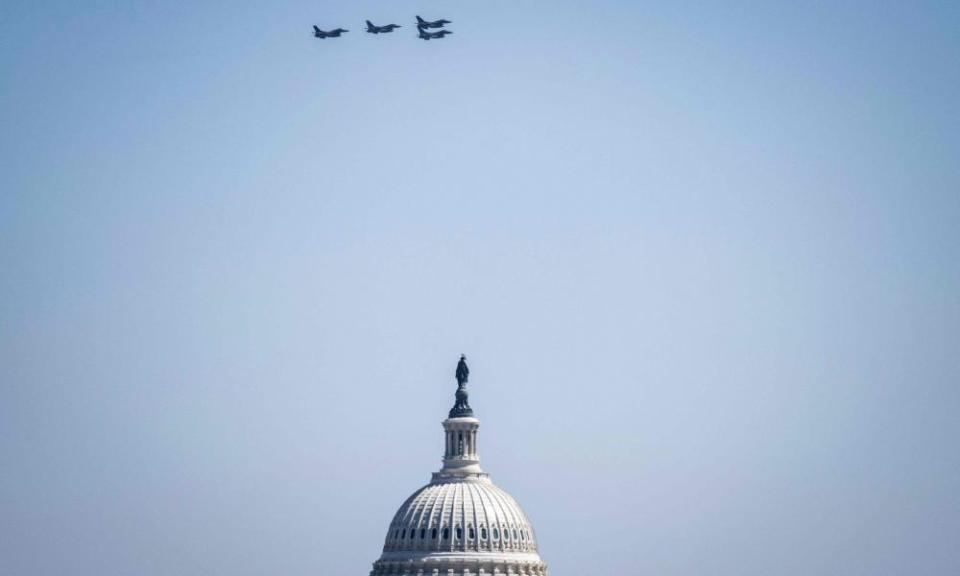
[[483, 532], [423, 533], [514, 533], [446, 533], [413, 533], [496, 533], [404, 533], [472, 533], [459, 533], [433, 535]]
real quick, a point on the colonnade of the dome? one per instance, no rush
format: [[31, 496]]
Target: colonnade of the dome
[[455, 568], [461, 444], [445, 538]]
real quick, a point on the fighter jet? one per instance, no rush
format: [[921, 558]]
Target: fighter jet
[[421, 23], [424, 35], [371, 29], [331, 34]]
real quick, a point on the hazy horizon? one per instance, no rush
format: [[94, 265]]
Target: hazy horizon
[[704, 260]]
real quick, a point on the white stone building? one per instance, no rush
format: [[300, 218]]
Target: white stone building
[[460, 524]]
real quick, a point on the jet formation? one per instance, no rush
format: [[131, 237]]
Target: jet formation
[[423, 29]]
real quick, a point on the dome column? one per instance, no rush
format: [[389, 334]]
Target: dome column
[[460, 458]]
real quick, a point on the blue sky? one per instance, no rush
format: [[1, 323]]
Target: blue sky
[[703, 259]]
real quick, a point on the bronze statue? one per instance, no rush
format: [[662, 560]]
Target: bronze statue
[[463, 373], [461, 407]]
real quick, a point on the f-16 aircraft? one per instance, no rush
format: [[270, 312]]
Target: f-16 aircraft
[[335, 33], [381, 29], [432, 35], [421, 23]]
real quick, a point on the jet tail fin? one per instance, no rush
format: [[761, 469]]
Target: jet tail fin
[[420, 20], [369, 24], [315, 29]]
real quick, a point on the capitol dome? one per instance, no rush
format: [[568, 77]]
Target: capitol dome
[[460, 524]]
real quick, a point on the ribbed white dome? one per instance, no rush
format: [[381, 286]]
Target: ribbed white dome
[[472, 515]]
